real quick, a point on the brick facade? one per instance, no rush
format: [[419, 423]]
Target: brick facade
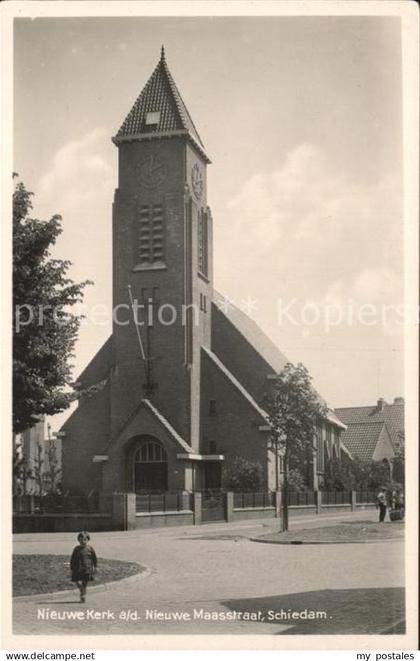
[[198, 393]]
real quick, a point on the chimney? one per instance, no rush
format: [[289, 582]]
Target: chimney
[[381, 404], [398, 400]]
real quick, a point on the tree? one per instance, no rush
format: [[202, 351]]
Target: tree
[[293, 409], [44, 328], [38, 471], [243, 475], [53, 470], [295, 480]]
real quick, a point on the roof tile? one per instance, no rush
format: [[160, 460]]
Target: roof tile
[[361, 439], [391, 414], [160, 94]]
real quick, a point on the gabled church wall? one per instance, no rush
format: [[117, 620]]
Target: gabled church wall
[[233, 423], [118, 470], [99, 366], [239, 356], [87, 433]]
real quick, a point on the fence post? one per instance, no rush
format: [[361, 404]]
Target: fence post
[[124, 510], [185, 500], [277, 504], [318, 501], [197, 506], [353, 501], [229, 506]]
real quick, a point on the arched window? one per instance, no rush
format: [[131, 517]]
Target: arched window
[[150, 452], [150, 467]]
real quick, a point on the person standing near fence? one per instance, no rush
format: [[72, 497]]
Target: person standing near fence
[[381, 504], [83, 563]]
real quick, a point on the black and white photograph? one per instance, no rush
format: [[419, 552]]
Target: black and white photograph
[[214, 309]]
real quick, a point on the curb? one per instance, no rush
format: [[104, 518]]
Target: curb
[[142, 573], [298, 542]]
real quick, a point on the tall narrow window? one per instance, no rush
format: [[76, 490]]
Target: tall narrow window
[[329, 440], [320, 449], [150, 237], [202, 243]]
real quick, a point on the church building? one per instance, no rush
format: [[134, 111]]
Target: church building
[[176, 391]]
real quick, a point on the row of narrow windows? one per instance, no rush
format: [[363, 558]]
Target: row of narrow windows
[[150, 241], [150, 237]]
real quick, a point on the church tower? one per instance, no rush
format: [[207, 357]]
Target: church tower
[[162, 260], [175, 395]]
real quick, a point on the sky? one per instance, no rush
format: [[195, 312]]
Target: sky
[[302, 120]]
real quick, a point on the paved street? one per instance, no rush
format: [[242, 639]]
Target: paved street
[[194, 572]]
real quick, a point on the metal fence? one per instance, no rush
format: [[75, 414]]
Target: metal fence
[[365, 497], [55, 504], [301, 498], [164, 502], [336, 497], [253, 499]]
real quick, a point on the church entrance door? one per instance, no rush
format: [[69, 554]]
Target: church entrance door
[[150, 468]]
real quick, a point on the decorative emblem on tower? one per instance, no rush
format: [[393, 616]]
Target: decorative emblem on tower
[[152, 172], [197, 181]]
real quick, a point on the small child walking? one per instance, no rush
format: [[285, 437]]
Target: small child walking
[[83, 563]]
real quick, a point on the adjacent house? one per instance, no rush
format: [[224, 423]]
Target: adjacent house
[[374, 432]]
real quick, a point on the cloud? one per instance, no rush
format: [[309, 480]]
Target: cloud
[[79, 186], [304, 226], [305, 233], [80, 172]]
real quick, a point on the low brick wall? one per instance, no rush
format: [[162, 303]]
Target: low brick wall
[[248, 513], [298, 510], [164, 519], [336, 508], [24, 523], [118, 512]]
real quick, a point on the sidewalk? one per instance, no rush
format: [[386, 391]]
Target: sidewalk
[[268, 525], [215, 571]]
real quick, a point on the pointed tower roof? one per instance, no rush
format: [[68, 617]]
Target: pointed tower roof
[[159, 111]]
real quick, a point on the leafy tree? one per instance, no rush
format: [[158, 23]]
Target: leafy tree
[[44, 329], [242, 475], [293, 408], [338, 476], [53, 470], [19, 471], [38, 471], [296, 480]]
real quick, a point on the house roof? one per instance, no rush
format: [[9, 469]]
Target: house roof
[[361, 439], [391, 414], [160, 94]]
